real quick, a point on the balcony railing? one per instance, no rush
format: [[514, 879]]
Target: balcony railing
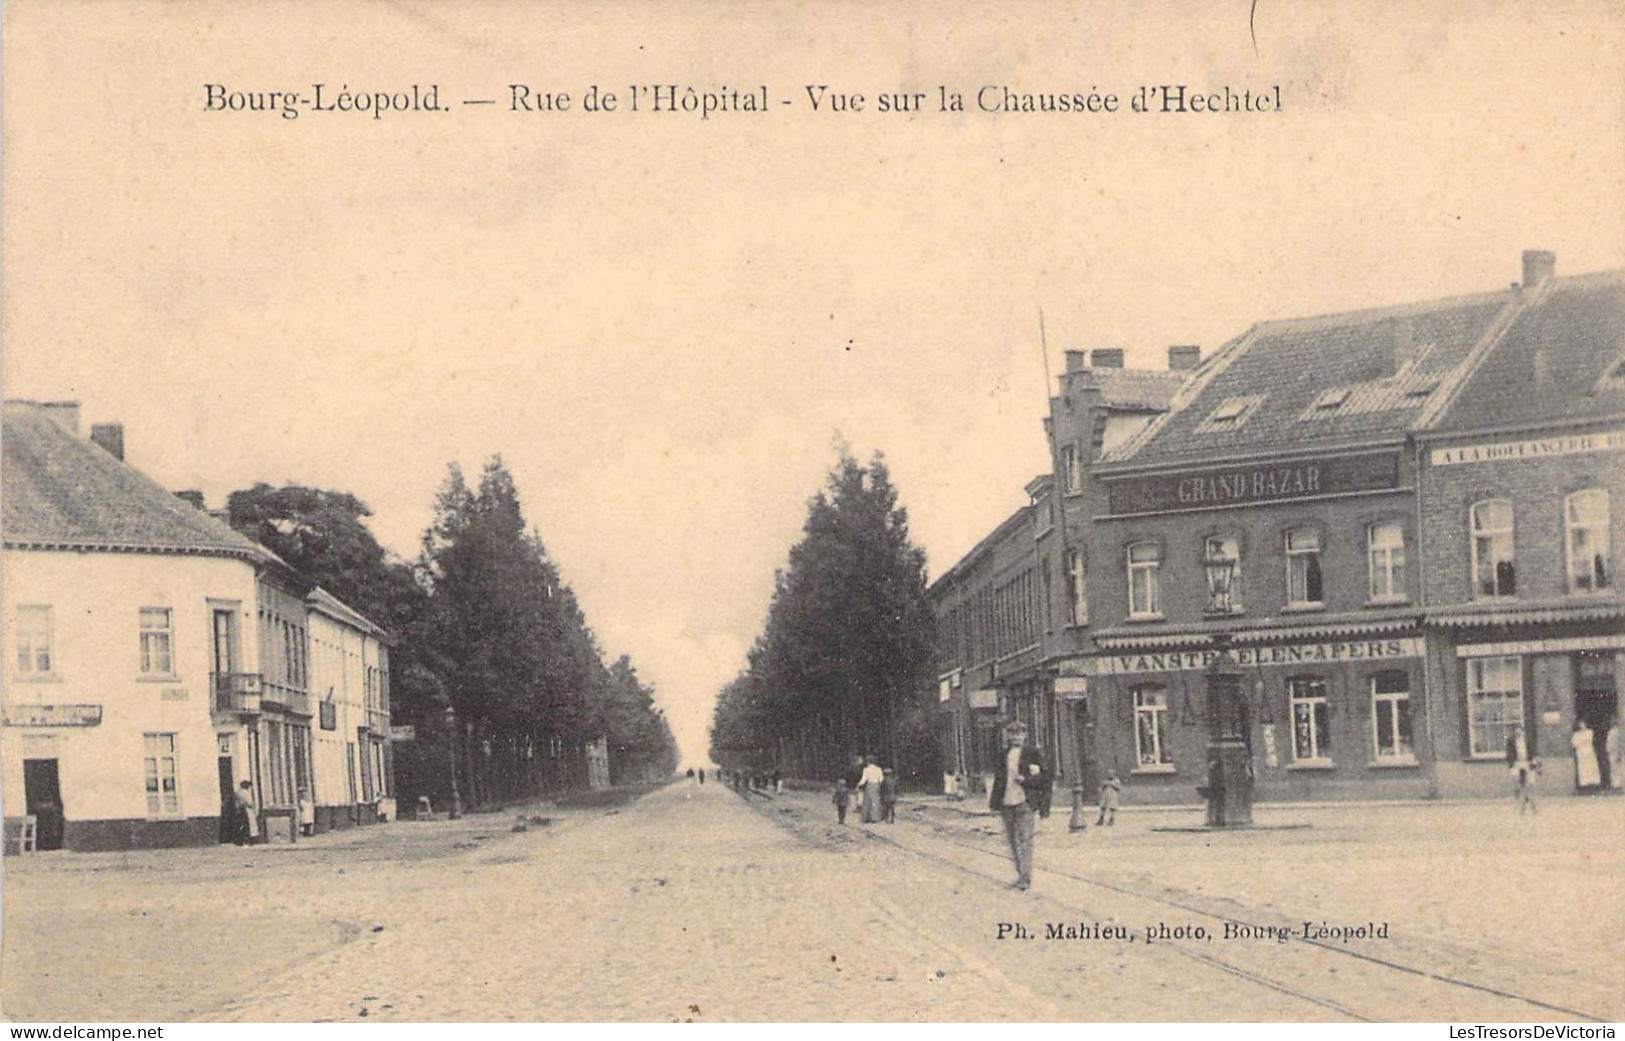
[[235, 691], [289, 699]]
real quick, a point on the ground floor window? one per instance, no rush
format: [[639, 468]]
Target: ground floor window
[[1151, 727], [1494, 703], [1311, 720], [163, 785], [1391, 716]]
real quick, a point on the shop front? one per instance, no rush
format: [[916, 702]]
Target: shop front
[[1324, 716]]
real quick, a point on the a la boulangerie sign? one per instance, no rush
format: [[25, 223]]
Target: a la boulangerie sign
[[1334, 652], [1251, 483]]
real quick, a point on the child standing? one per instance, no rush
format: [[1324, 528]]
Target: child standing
[[888, 797], [1108, 799], [1528, 773], [842, 799]]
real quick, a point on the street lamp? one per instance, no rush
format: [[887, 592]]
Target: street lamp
[[456, 795]]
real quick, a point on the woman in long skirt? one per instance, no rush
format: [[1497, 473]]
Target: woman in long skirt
[[1584, 742]]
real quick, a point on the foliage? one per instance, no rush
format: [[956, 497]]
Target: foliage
[[847, 647]]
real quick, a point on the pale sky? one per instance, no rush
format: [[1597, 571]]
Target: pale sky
[[661, 323]]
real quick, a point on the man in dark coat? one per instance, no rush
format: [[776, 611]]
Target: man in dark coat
[[1020, 787]]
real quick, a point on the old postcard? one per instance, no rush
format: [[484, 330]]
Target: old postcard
[[790, 512]]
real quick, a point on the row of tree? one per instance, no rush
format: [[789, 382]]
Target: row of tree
[[493, 663], [843, 666]]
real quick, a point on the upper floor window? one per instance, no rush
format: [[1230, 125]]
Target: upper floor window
[[1071, 469], [156, 659], [1144, 584], [33, 640], [1304, 586], [1493, 571], [1385, 543], [1585, 539], [1077, 604], [1221, 558]]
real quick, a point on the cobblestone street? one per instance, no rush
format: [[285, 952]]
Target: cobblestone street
[[694, 903]]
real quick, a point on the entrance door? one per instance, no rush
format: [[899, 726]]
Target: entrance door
[[228, 798], [43, 792], [1596, 701]]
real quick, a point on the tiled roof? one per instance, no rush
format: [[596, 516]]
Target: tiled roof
[[1328, 380], [1554, 361], [1140, 389], [60, 491], [333, 607]]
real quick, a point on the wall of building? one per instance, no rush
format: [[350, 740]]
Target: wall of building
[[96, 600]]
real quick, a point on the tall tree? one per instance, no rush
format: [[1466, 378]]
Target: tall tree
[[846, 651]]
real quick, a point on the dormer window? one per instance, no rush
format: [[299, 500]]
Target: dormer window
[[1231, 413], [1331, 400]]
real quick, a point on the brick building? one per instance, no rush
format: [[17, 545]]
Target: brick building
[[1522, 485], [1334, 501]]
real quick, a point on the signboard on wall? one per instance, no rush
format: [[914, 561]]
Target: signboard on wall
[[1532, 448], [53, 715], [1253, 483], [403, 733], [987, 697], [1356, 651]]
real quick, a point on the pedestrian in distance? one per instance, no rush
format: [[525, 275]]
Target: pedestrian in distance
[[1610, 744], [1108, 799], [1528, 773], [778, 783], [888, 797], [702, 777], [691, 773], [869, 783], [249, 812], [1584, 742], [1019, 788], [842, 798]]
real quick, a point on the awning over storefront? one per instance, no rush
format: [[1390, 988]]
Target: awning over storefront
[[1262, 630], [1534, 612]]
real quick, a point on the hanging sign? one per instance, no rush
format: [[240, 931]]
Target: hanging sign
[[1071, 686], [403, 733]]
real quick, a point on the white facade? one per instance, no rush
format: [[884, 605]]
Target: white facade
[[349, 705], [131, 635]]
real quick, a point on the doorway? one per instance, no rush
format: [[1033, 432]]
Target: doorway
[[1596, 703], [42, 790]]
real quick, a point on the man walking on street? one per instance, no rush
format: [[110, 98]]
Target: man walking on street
[[1018, 790]]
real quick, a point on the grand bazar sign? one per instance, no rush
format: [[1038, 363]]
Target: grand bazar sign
[[1248, 657], [1254, 483]]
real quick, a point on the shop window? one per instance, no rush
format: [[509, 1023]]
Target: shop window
[[1494, 704], [1221, 559], [1077, 604], [1385, 545], [1304, 581], [1311, 720], [1586, 544], [1391, 717], [1493, 570], [1151, 727], [156, 659], [33, 640], [1144, 583], [163, 787]]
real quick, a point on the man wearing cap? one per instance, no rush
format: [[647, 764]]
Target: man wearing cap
[[1018, 790]]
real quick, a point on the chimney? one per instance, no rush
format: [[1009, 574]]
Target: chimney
[[64, 414], [111, 437], [1183, 357], [193, 497], [1075, 361], [1106, 357], [1539, 265]]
